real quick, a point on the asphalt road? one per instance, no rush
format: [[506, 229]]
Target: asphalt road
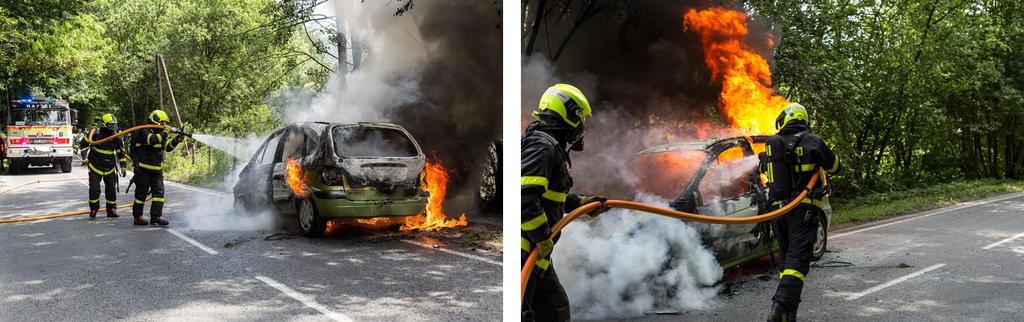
[[960, 263], [76, 269]]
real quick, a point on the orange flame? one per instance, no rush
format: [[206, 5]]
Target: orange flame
[[747, 99], [295, 178], [435, 181]]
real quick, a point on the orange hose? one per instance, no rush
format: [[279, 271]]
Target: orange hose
[[527, 269], [56, 215], [38, 181], [132, 129]]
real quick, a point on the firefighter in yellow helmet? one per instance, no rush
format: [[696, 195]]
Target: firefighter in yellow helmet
[[558, 126], [791, 158], [102, 160], [147, 150]]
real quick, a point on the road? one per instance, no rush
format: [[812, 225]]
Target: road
[[76, 269], [960, 263]]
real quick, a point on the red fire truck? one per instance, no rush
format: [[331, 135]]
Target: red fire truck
[[39, 133]]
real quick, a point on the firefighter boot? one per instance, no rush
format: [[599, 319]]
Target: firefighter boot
[[780, 314], [140, 222], [112, 213], [92, 213], [158, 221]]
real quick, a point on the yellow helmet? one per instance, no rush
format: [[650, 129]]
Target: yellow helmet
[[567, 101], [792, 112], [158, 117], [108, 119]]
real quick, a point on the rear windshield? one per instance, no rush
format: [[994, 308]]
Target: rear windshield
[[357, 141]]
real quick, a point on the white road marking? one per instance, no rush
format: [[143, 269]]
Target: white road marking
[[209, 250], [470, 256], [187, 187], [939, 212], [302, 298], [893, 282], [995, 244]]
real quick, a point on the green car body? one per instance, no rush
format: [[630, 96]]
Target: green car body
[[350, 171]]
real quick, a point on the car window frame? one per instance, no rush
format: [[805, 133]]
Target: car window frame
[[258, 157]]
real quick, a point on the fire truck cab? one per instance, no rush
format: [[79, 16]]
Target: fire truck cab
[[39, 133]]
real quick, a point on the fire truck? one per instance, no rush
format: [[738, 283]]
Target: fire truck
[[39, 133]]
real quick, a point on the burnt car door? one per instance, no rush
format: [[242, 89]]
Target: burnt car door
[[292, 139], [727, 188], [253, 186]]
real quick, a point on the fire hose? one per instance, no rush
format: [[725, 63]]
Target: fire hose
[[49, 216], [136, 128], [557, 228]]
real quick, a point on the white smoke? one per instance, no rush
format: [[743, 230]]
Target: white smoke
[[625, 263], [218, 212], [388, 77]]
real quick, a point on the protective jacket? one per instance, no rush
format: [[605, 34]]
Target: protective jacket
[[545, 185], [810, 152], [102, 157], [149, 145]]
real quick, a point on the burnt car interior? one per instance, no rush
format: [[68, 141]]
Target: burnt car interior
[[709, 182]]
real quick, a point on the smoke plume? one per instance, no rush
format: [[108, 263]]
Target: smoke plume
[[435, 70]]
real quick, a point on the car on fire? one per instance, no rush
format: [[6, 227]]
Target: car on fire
[[344, 171], [719, 177]]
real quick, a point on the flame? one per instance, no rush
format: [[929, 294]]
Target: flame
[[295, 178], [747, 99], [434, 181]]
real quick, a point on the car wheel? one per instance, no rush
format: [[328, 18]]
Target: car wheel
[[821, 238], [310, 222], [65, 165]]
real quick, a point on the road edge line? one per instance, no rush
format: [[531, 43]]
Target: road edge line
[[304, 299], [900, 219], [885, 285]]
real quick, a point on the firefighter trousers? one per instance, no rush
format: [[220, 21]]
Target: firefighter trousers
[[146, 182], [109, 180], [545, 299], [796, 234]]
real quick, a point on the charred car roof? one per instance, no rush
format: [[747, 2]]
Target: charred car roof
[[706, 145]]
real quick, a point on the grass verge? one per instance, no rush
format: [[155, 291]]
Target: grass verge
[[884, 205]]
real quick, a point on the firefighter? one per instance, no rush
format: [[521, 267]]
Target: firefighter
[[791, 158], [557, 128], [101, 159], [148, 147]]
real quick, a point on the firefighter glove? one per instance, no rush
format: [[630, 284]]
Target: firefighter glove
[[544, 247], [600, 209]]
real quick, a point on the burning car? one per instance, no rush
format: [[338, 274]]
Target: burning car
[[718, 177], [321, 171]]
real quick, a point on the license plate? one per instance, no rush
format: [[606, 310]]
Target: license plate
[[40, 141]]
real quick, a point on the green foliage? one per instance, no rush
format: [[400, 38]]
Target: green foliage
[[910, 93]]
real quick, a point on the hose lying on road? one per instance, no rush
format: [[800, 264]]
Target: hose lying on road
[[56, 215], [129, 130], [557, 228], [38, 181]]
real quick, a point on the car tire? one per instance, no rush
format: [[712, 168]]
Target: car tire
[[310, 222], [65, 165], [821, 238]]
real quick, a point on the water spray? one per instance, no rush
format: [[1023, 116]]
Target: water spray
[[557, 228]]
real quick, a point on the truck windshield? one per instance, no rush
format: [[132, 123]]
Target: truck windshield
[[362, 142], [49, 116]]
